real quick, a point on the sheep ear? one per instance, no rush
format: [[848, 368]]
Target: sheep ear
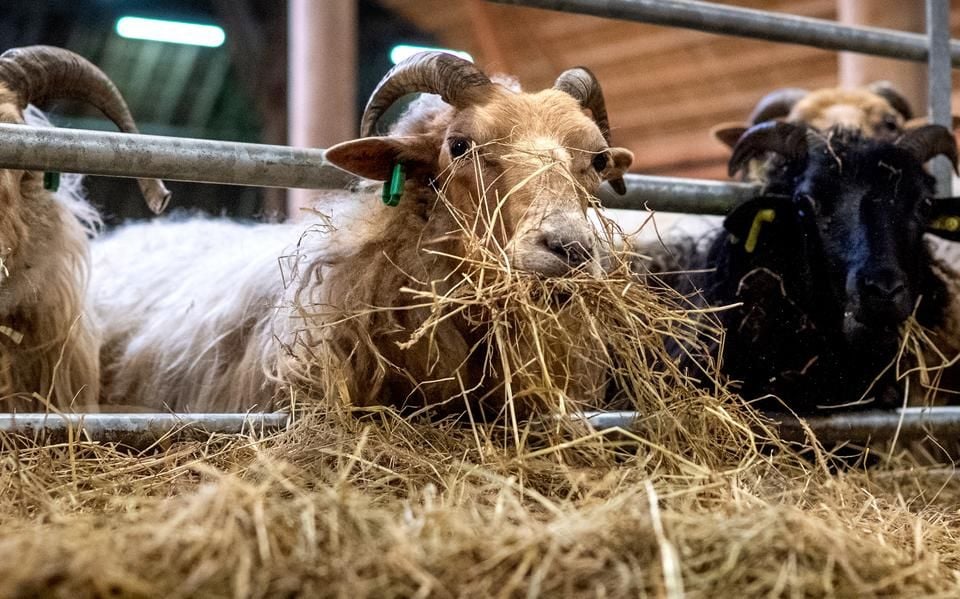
[[374, 157], [728, 133], [944, 219], [622, 159]]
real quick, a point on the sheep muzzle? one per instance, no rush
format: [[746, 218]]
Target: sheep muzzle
[[560, 246]]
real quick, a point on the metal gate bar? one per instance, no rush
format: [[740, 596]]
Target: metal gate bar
[[711, 17], [907, 424], [171, 158], [229, 163], [138, 431], [939, 83]]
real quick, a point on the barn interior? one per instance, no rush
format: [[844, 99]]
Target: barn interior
[[666, 88], [700, 496]]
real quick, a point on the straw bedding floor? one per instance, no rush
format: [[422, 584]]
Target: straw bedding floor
[[386, 508], [700, 501]]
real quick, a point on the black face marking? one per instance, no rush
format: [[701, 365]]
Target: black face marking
[[863, 204]]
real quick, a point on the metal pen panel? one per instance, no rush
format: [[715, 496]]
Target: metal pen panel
[[171, 158], [230, 163], [877, 426], [939, 83], [711, 17], [138, 431], [674, 194]]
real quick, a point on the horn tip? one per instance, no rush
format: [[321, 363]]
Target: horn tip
[[618, 185], [156, 195]]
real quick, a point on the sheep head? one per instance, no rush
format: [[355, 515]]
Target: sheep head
[[518, 169], [28, 225], [37, 74], [852, 211], [877, 110]]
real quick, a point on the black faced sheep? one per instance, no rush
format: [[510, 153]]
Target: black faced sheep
[[826, 266]]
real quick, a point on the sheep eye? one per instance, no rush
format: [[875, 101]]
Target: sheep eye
[[459, 146], [600, 161]]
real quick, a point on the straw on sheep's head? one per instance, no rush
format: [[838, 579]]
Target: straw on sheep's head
[[518, 168]]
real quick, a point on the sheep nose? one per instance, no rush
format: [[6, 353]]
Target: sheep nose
[[883, 286], [576, 249], [883, 295]]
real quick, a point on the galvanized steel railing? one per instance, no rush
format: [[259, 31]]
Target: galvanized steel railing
[[143, 431]]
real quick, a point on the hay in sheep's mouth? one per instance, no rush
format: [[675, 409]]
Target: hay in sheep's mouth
[[698, 501]]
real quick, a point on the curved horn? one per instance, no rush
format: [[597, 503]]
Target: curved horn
[[777, 104], [37, 74], [580, 83], [885, 90], [459, 82], [786, 139], [928, 141]]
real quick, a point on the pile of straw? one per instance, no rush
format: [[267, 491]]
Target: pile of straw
[[700, 500], [388, 508]]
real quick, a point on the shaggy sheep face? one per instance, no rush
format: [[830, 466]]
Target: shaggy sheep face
[[867, 208], [877, 110], [514, 170], [523, 168], [858, 109]]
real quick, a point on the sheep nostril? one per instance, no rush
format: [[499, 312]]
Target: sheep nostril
[[574, 252], [884, 290]]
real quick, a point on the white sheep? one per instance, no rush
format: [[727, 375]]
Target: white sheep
[[210, 315]]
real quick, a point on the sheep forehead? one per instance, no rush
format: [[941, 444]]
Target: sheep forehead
[[530, 119], [820, 104]]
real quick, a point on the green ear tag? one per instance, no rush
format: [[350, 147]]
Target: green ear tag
[[393, 189], [51, 180], [763, 216]]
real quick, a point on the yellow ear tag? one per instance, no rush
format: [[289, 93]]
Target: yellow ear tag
[[950, 224], [763, 216]]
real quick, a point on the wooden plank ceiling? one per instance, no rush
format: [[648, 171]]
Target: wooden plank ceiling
[[665, 88]]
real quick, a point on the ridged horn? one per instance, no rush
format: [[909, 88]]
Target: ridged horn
[[37, 74], [580, 83], [928, 141], [786, 139], [885, 90], [457, 81], [777, 104]]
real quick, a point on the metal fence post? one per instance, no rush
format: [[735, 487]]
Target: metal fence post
[[939, 83]]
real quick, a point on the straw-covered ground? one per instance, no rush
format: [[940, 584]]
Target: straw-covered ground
[[699, 501]]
